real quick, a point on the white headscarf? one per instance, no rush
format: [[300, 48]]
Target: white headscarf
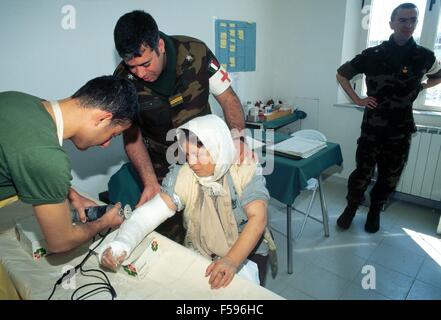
[[213, 132]]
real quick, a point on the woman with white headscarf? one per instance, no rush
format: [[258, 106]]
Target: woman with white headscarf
[[224, 205]]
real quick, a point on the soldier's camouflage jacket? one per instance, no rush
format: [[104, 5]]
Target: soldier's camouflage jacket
[[393, 76], [180, 93]]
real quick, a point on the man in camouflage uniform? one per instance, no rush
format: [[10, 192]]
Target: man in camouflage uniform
[[394, 71], [174, 76]]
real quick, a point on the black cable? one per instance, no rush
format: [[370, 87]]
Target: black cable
[[79, 266], [53, 290], [89, 294], [104, 286]]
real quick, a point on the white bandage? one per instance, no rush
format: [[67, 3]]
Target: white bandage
[[144, 220]]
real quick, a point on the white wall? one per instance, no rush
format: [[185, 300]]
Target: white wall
[[310, 48], [39, 57]]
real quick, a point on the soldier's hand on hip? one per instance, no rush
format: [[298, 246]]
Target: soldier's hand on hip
[[369, 102]]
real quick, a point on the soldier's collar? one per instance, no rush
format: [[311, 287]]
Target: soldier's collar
[[409, 44], [166, 81]]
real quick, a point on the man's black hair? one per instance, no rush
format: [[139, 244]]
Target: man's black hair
[[133, 30], [407, 5], [113, 94]]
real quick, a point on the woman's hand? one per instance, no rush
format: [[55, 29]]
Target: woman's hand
[[111, 262], [221, 272]]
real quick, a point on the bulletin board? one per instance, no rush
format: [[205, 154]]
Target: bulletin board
[[236, 45]]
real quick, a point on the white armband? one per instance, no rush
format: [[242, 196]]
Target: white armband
[[219, 82], [144, 220], [436, 67]]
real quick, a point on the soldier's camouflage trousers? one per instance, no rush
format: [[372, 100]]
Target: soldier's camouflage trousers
[[390, 154]]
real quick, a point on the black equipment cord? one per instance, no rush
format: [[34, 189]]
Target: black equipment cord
[[103, 286]]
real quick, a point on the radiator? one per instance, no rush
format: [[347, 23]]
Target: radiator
[[422, 175]]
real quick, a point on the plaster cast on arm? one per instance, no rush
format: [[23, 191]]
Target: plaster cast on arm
[[144, 220]]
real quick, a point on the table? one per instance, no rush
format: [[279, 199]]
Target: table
[[277, 123], [168, 280], [290, 176]]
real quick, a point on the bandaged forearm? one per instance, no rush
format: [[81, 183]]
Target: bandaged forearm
[[144, 220]]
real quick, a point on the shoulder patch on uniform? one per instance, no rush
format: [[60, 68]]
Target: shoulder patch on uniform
[[176, 100], [213, 66]]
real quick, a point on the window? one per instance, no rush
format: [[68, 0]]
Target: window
[[433, 95], [427, 34], [380, 11]]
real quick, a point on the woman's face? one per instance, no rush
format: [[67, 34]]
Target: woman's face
[[199, 160]]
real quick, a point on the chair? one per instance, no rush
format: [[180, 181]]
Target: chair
[[313, 183]]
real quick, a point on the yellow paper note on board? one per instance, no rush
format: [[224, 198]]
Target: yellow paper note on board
[[232, 33], [240, 34], [232, 25], [223, 35], [232, 62], [223, 24], [223, 43], [232, 40], [232, 48]]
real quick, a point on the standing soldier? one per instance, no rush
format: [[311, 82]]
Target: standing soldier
[[394, 71]]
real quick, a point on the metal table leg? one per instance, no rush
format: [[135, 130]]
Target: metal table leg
[[324, 207], [289, 238]]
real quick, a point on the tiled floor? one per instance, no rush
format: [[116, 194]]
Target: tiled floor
[[402, 260]]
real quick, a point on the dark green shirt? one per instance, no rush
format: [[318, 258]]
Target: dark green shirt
[[32, 163]]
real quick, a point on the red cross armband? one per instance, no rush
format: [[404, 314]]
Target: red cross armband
[[220, 80]]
